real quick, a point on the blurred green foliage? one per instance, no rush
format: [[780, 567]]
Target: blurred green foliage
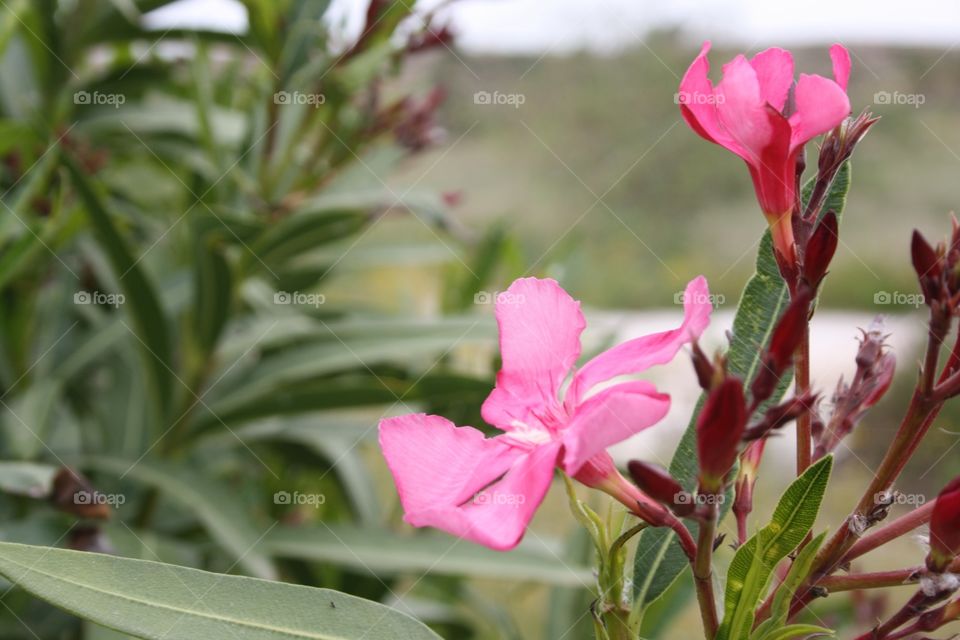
[[192, 316]]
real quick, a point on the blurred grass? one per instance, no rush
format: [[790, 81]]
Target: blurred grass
[[672, 204]]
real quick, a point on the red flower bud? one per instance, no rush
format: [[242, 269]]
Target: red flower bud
[[945, 528], [719, 430], [657, 483], [790, 330], [820, 249], [786, 339], [926, 263], [703, 367]]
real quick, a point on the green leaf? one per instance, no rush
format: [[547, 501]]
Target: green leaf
[[755, 561], [659, 559], [780, 608], [212, 294], [152, 600], [300, 232], [794, 631], [148, 316], [388, 553], [211, 503]]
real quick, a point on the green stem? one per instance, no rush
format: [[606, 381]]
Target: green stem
[[703, 574]]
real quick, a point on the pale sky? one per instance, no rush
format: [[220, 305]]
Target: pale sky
[[538, 26]]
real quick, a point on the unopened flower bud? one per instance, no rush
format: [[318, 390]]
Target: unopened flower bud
[[945, 528], [703, 367], [926, 263], [786, 339], [719, 431], [657, 483], [780, 415], [820, 249]]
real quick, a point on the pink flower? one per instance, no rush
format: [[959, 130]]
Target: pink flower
[[757, 112], [487, 489]]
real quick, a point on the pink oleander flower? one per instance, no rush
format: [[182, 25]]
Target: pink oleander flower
[[487, 489], [760, 114]]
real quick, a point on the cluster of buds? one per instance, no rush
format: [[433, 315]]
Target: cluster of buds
[[414, 123], [430, 38], [938, 271], [816, 236], [875, 369], [733, 418], [720, 428]]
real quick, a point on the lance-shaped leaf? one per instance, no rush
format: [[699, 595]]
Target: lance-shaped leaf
[[153, 600], [755, 561]]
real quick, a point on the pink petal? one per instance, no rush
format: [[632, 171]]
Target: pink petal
[[698, 103], [742, 108], [639, 354], [774, 172], [452, 478], [540, 327], [821, 105], [774, 68], [841, 65], [609, 417], [434, 462]]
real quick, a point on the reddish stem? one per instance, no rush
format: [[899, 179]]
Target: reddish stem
[[802, 374], [899, 527]]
